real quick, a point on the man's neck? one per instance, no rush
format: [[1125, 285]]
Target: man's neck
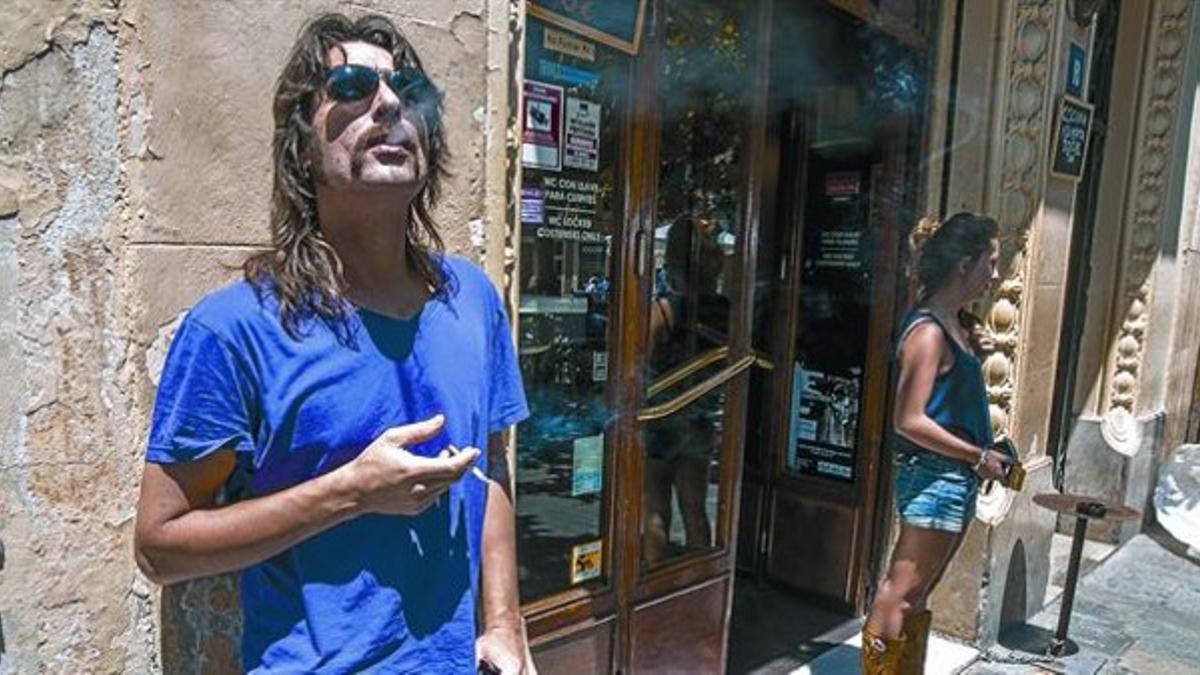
[[368, 235]]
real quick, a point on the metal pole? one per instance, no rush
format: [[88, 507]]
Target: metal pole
[[1068, 598]]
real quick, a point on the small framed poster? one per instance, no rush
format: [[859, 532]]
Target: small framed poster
[[1071, 133], [616, 23]]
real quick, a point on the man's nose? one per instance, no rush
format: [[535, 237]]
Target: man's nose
[[387, 105]]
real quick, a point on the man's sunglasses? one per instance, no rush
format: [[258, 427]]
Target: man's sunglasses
[[354, 82]]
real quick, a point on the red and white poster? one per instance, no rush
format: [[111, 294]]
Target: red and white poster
[[542, 137]]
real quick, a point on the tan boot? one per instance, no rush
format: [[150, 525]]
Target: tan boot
[[880, 655], [916, 634]]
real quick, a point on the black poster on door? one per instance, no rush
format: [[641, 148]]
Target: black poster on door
[[836, 267]]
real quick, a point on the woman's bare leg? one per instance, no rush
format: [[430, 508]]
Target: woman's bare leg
[[657, 527], [691, 487], [919, 557], [941, 571]]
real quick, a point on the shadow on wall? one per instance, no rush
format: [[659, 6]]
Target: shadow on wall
[[202, 626], [1013, 608]]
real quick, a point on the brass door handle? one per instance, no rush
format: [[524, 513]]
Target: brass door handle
[[686, 370], [693, 394]]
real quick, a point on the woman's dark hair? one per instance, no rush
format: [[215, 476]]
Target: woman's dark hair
[[301, 267], [939, 248]]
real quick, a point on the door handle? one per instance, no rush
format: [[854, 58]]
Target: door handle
[[686, 370], [693, 394], [639, 251]]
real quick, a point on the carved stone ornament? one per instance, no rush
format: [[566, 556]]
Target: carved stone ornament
[[1026, 120], [1144, 209], [1121, 431], [994, 503], [1021, 185]]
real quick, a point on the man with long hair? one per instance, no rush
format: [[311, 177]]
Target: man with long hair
[[316, 423]]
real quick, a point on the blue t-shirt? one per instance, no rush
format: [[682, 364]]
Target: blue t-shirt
[[388, 593]]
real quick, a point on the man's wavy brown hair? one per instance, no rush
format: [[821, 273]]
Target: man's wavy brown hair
[[301, 267]]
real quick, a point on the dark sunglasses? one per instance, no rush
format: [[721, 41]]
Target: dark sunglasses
[[354, 82]]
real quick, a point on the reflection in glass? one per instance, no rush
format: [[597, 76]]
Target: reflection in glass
[[681, 449], [704, 105]]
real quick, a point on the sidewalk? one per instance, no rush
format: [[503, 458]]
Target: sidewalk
[[1137, 612]]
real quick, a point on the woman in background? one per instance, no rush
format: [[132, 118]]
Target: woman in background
[[943, 434]]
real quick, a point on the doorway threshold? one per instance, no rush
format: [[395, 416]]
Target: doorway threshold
[[776, 631], [945, 657]]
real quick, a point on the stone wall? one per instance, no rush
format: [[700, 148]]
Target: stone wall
[[134, 175]]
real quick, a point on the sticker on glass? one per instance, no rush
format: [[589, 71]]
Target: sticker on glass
[[585, 561], [541, 139], [565, 43], [599, 366], [583, 134], [587, 465]]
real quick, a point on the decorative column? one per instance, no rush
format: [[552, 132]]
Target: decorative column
[[1167, 52], [1025, 132]]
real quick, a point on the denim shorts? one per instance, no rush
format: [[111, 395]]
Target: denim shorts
[[934, 492]]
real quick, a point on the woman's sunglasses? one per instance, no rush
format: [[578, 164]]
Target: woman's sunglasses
[[354, 82]]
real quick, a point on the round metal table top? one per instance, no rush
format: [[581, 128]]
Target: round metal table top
[[1087, 507]]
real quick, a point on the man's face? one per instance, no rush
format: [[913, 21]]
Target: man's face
[[368, 144]]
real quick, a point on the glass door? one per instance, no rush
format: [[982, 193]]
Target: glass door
[[691, 353], [847, 97], [573, 130]]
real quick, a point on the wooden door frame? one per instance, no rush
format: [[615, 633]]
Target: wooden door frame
[[639, 586], [791, 130], [871, 486], [870, 474], [560, 616]]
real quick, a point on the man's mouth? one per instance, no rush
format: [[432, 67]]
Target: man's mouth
[[395, 143]]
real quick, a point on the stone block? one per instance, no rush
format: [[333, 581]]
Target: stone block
[[167, 280]]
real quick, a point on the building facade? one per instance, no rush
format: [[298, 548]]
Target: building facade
[[698, 212]]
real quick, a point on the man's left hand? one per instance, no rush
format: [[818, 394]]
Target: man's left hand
[[501, 649]]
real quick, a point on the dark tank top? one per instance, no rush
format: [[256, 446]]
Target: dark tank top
[[958, 401]]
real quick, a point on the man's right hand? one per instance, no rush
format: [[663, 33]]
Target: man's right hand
[[391, 480]]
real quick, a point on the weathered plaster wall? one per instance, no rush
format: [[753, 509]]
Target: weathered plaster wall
[[134, 175], [69, 598]]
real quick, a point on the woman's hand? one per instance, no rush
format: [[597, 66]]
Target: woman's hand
[[992, 466]]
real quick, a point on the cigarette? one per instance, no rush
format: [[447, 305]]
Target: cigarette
[[475, 470]]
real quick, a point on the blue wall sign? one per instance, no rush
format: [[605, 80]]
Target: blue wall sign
[[1076, 69]]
